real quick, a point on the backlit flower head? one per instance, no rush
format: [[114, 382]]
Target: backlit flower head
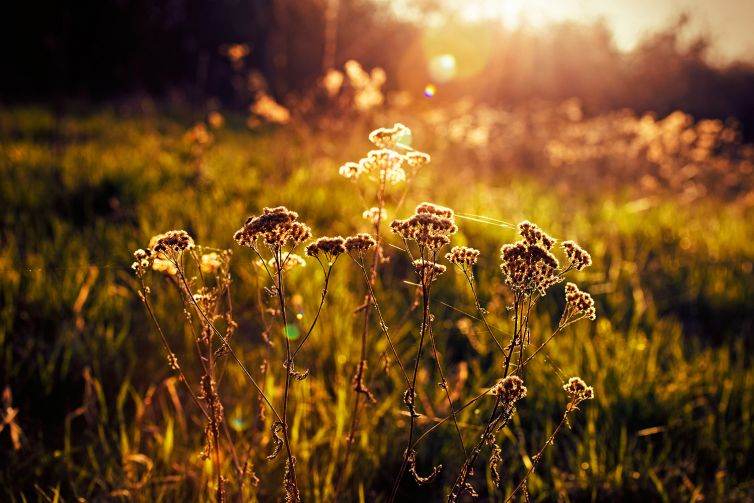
[[275, 227], [388, 137], [579, 303], [578, 258], [528, 265], [430, 226], [330, 247], [511, 389], [359, 243], [462, 256]]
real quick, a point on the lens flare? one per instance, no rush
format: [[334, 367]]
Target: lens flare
[[300, 315], [429, 90], [442, 68]]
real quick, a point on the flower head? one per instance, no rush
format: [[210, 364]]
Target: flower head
[[359, 243], [528, 265], [577, 256], [428, 270], [388, 137], [578, 390], [330, 247], [579, 303], [275, 227], [430, 226], [462, 256], [511, 389]]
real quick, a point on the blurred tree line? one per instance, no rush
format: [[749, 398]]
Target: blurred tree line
[[103, 49]]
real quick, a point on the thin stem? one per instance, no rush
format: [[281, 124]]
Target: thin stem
[[470, 279]]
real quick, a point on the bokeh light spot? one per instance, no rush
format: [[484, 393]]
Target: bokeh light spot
[[292, 331], [442, 68], [429, 90]]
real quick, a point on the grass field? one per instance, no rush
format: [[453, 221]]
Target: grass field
[[104, 418]]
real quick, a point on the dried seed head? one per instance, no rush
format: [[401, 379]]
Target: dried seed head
[[528, 265], [172, 241], [511, 389], [462, 256], [579, 303], [430, 226], [387, 164], [577, 256], [387, 137], [428, 271], [578, 389], [359, 243], [351, 170], [416, 159], [275, 227], [330, 247]]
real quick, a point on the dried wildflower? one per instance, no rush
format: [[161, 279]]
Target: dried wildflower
[[511, 389], [211, 262], [172, 241], [428, 270], [578, 258], [528, 265], [359, 243], [375, 215], [578, 389], [430, 226], [388, 137], [142, 262], [330, 247], [579, 303], [352, 170], [275, 227], [416, 159], [462, 256], [387, 164], [277, 439]]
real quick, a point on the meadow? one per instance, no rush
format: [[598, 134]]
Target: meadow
[[92, 409]]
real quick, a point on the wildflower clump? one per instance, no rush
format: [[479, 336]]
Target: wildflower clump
[[528, 265], [430, 227], [275, 227]]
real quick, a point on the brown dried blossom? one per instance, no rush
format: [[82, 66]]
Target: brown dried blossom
[[579, 303], [462, 256], [430, 226], [578, 258], [578, 389], [528, 265], [428, 271], [275, 227], [359, 243], [510, 389], [330, 247], [386, 138]]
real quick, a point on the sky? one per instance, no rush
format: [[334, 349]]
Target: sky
[[729, 24]]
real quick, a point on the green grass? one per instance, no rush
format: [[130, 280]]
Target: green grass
[[668, 355]]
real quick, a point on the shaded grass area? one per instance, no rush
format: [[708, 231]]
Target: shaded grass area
[[102, 417]]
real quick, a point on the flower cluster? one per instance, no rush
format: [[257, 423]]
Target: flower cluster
[[430, 226], [511, 389], [578, 389], [387, 163], [330, 247], [579, 303], [462, 256], [428, 271], [578, 258], [172, 241], [528, 265], [211, 262], [359, 243], [275, 226], [388, 137]]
